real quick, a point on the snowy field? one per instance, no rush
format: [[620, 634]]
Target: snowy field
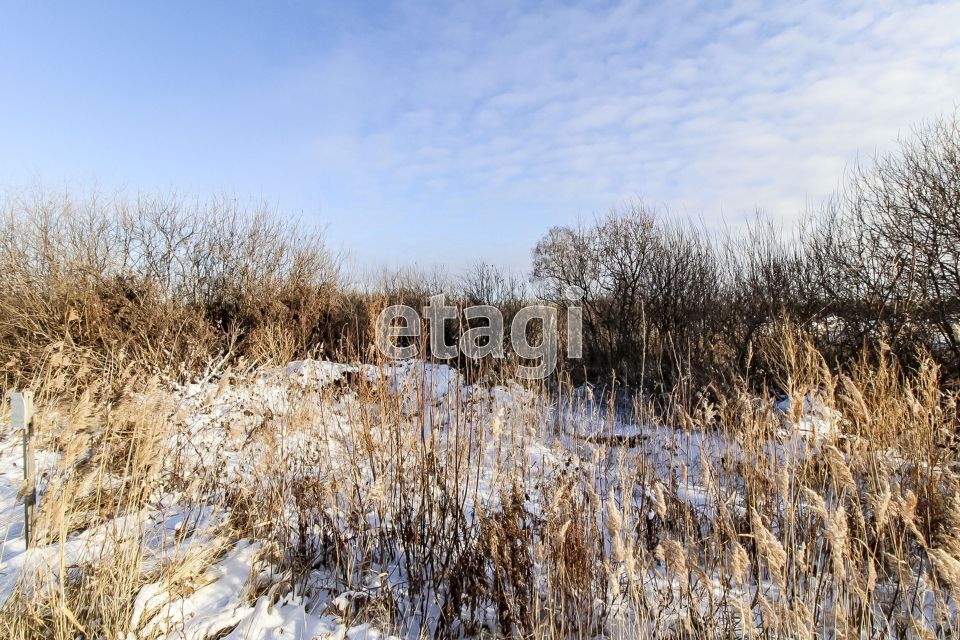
[[343, 501]]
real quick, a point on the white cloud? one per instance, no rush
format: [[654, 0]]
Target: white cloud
[[568, 110]]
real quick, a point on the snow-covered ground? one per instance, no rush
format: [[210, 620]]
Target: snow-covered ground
[[230, 436], [215, 422]]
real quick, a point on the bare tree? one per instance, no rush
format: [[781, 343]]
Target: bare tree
[[645, 284], [485, 283], [889, 243]]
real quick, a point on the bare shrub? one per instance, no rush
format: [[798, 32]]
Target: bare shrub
[[646, 288], [158, 280], [887, 246]]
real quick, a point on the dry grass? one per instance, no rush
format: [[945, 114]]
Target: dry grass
[[728, 520], [161, 282], [436, 510]]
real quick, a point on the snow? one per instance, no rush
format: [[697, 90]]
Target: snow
[[217, 609], [239, 595], [816, 421]]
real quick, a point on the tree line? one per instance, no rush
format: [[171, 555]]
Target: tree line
[[182, 284]]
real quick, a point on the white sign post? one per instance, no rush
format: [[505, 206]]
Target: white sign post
[[21, 415]]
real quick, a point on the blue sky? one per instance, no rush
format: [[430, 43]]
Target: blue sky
[[446, 133]]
